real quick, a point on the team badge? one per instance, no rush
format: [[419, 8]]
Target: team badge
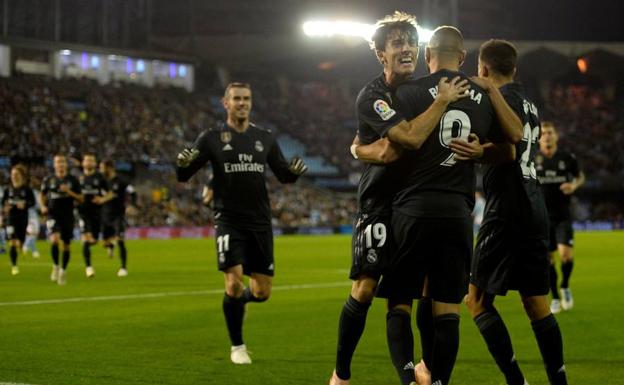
[[371, 257], [226, 137], [561, 165], [539, 159], [383, 109], [259, 147]]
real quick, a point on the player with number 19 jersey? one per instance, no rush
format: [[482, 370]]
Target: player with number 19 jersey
[[511, 245], [431, 212], [373, 245]]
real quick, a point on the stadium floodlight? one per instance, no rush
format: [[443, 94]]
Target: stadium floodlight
[[351, 28], [65, 52]]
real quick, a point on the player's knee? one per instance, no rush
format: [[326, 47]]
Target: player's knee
[[566, 254], [401, 306], [363, 290], [234, 288], [262, 293], [536, 307]]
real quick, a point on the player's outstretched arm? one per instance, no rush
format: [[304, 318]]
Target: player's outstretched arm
[[509, 121], [381, 151], [414, 133], [284, 171], [190, 160], [569, 188]]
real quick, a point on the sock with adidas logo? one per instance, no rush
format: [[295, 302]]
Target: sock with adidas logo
[[550, 342], [401, 344]]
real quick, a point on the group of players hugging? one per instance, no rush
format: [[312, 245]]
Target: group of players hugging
[[98, 197], [419, 140]]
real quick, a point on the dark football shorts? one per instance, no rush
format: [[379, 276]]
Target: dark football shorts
[[504, 260], [439, 249], [114, 227], [16, 228], [64, 225], [253, 249], [373, 247], [90, 224], [561, 233]]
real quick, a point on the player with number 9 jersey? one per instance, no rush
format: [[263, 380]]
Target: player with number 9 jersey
[[432, 210]]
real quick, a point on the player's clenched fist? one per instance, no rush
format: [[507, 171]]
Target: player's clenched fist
[[297, 166], [186, 157]]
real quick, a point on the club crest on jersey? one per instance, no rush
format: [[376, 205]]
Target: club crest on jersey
[[561, 165], [371, 257], [226, 137], [383, 109], [258, 146]]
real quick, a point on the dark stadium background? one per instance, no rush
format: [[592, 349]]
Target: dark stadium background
[[304, 89]]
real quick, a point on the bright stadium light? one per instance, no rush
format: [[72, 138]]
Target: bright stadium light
[[340, 28], [351, 28]]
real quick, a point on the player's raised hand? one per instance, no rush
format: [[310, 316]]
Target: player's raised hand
[[567, 188], [186, 157], [467, 150], [297, 166], [450, 91], [482, 82]]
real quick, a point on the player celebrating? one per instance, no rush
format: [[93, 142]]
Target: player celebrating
[[16, 200], [114, 213], [560, 176], [511, 250], [58, 193], [396, 45], [432, 211], [239, 152], [95, 193]]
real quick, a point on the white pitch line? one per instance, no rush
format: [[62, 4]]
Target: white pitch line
[[163, 294], [13, 383]]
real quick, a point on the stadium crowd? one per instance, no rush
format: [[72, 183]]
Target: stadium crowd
[[146, 126]]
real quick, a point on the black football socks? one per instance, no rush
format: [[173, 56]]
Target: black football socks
[[86, 253], [65, 259], [424, 321], [401, 344], [566, 271], [445, 347], [122, 253], [554, 289], [497, 339], [13, 255], [55, 253], [234, 310], [550, 342], [350, 329]]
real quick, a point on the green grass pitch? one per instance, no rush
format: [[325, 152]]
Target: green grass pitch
[[123, 336]]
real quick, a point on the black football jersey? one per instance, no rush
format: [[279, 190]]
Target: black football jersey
[[376, 114], [91, 186], [552, 172], [511, 189], [434, 183], [60, 203], [239, 163], [12, 197], [116, 207]]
